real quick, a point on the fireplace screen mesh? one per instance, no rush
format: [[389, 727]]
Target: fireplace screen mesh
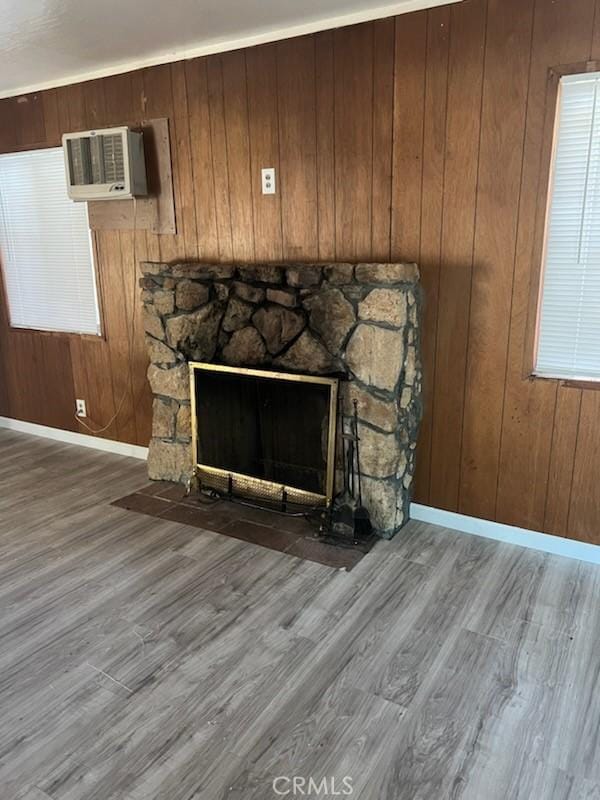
[[260, 433]]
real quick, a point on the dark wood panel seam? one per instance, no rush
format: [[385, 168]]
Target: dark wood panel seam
[[577, 443], [192, 159], [464, 382], [437, 312], [316, 79], [515, 246], [252, 177]]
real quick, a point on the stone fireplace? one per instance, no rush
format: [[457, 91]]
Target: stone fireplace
[[357, 321]]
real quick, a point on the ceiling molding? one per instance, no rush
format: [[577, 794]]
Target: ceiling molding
[[225, 45]]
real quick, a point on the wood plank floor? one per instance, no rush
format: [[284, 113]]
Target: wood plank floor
[[142, 659]]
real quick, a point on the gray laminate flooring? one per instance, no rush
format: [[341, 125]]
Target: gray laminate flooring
[[146, 660]]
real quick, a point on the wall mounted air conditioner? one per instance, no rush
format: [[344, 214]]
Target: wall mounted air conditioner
[[105, 165]]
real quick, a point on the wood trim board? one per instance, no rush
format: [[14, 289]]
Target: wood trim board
[[155, 213]]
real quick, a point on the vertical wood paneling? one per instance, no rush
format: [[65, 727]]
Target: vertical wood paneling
[[465, 79], [561, 36], [297, 147], [409, 99], [8, 126], [52, 129], [560, 474], [353, 66], [95, 103], [158, 102], [220, 164], [596, 32], [5, 353], [383, 126], [414, 138], [325, 142], [235, 98], [434, 148], [187, 231], [261, 65], [584, 511], [502, 132], [30, 126], [202, 158], [119, 103]]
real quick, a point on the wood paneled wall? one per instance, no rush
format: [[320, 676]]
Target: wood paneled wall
[[410, 138]]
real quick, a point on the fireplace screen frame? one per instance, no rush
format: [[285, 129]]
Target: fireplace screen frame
[[250, 485]]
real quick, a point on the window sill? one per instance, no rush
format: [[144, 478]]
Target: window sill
[[92, 337], [569, 383]]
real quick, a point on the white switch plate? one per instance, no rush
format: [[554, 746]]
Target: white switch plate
[[80, 409], [268, 180]]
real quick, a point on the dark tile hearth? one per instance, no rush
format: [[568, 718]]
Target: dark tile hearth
[[292, 535]]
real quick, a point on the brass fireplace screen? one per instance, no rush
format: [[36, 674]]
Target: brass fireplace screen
[[266, 435]]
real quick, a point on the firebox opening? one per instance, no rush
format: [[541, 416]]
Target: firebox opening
[[264, 432]]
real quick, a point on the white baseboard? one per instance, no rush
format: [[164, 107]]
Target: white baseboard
[[535, 540], [70, 437]]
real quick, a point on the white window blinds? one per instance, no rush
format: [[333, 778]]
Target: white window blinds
[[569, 321], [45, 246]]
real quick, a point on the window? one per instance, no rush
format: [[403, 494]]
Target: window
[[45, 246], [568, 338]]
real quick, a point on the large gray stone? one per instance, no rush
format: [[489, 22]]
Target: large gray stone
[[159, 353], [307, 355], [195, 334], [332, 316], [380, 413], [379, 452], [245, 347], [262, 273], [237, 315], [375, 356], [202, 272], [169, 461], [173, 382], [386, 504], [152, 323], [252, 294], [184, 422], [387, 273], [339, 273], [278, 326], [163, 418], [304, 276], [190, 295], [283, 297], [164, 301], [153, 268], [384, 305]]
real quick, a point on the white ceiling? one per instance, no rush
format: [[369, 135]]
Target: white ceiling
[[47, 43]]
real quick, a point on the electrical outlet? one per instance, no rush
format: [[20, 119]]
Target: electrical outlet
[[268, 180], [80, 408]]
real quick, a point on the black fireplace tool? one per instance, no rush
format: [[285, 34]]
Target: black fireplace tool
[[350, 519], [362, 520]]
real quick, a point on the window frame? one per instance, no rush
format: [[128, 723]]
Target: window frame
[[16, 329], [548, 150]]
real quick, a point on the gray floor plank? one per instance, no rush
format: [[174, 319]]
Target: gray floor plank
[[141, 659]]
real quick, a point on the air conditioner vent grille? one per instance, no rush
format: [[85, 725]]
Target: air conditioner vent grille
[[97, 159], [114, 165]]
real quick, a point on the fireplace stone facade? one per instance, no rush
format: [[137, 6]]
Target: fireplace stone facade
[[358, 321]]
